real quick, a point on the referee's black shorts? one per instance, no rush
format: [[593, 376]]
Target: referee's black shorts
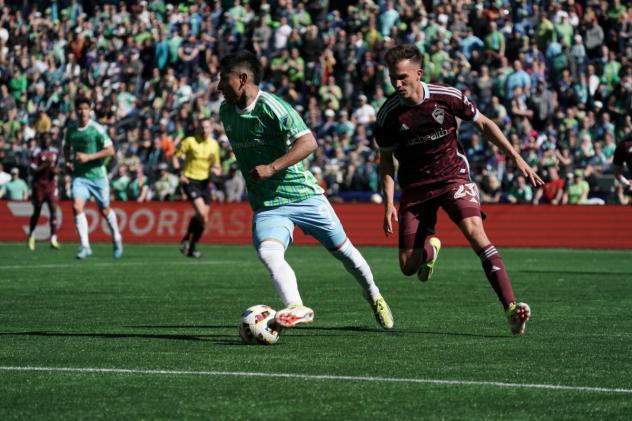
[[197, 188]]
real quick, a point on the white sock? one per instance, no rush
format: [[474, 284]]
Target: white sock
[[53, 237], [358, 267], [113, 224], [81, 224], [272, 254]]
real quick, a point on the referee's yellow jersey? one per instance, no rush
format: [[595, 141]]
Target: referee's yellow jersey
[[199, 156]]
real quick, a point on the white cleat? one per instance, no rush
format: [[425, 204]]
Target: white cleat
[[293, 315]]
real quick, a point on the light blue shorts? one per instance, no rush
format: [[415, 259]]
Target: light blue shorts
[[99, 189], [314, 216]]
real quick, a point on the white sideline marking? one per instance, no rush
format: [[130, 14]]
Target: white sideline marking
[[80, 264], [318, 377]]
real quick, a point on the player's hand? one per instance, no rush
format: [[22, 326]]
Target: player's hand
[[184, 180], [262, 172], [82, 157], [69, 167], [528, 172], [390, 214]]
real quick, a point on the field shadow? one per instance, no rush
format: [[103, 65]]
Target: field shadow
[[399, 332], [572, 272], [177, 326], [116, 335], [322, 330]]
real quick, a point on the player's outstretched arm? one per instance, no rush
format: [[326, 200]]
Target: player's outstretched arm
[[301, 149], [493, 133], [387, 177]]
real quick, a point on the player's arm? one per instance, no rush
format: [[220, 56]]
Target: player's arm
[[103, 153], [493, 133], [175, 160], [66, 151], [387, 177], [301, 149], [214, 162]]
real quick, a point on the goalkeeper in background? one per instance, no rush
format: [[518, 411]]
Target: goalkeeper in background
[[201, 159]]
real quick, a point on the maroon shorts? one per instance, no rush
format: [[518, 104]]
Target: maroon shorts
[[43, 194], [418, 210]]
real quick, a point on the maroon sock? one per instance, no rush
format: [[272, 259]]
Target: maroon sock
[[53, 219], [497, 275]]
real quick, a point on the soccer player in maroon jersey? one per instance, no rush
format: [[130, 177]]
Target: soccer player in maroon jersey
[[44, 185], [418, 126], [623, 156]]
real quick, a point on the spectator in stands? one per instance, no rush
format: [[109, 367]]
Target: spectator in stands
[[577, 189], [16, 188], [154, 65], [5, 177], [235, 185], [165, 186], [521, 192], [552, 191]]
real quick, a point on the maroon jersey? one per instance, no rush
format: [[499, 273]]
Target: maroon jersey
[[45, 178], [423, 137], [623, 153]]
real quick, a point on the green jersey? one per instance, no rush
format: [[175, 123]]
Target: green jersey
[[259, 135], [89, 139]]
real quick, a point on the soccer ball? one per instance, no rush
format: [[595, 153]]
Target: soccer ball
[[258, 327]]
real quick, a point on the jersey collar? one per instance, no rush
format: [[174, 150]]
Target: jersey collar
[[425, 97], [426, 92], [251, 107]]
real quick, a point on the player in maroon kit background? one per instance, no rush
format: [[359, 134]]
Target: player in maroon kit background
[[44, 185], [418, 126]]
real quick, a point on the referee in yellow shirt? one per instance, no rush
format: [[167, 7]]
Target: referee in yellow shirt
[[201, 159]]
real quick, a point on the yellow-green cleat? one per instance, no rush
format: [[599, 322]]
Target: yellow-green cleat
[[54, 243], [30, 242], [382, 312], [518, 315], [425, 271]]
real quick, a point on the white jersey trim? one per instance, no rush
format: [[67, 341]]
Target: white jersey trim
[[296, 136], [250, 107], [275, 106]]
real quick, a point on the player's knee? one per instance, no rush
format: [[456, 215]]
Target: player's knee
[[271, 254]]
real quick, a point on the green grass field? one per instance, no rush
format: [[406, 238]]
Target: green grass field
[[154, 335]]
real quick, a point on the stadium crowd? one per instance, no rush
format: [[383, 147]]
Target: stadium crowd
[[555, 76]]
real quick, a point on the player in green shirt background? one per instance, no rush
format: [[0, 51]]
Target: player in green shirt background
[[270, 141], [86, 147]]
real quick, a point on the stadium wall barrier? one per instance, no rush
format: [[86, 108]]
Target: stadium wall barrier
[[506, 225]]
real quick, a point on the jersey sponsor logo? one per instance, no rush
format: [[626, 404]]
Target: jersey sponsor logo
[[437, 134], [467, 190], [438, 114]]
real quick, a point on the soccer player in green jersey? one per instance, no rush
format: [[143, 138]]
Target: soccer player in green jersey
[[270, 141], [89, 145]]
